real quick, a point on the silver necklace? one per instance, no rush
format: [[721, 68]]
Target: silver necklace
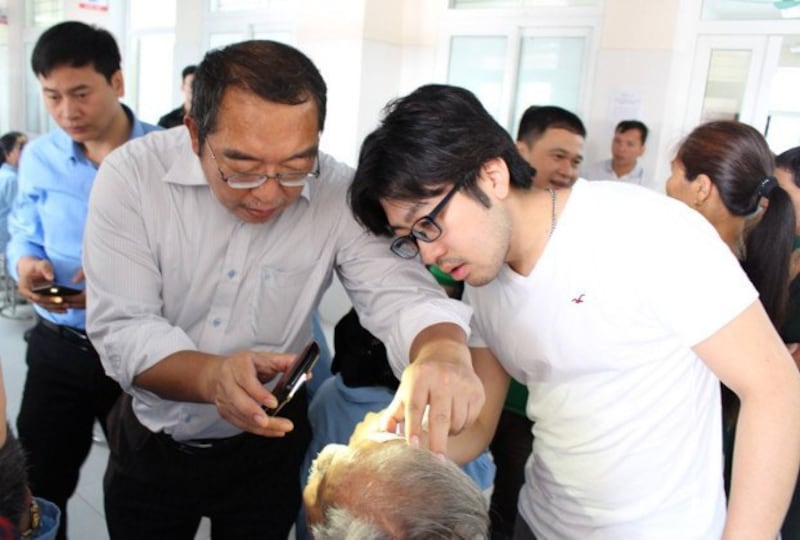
[[553, 219]]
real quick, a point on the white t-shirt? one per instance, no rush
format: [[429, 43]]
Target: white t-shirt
[[627, 418]]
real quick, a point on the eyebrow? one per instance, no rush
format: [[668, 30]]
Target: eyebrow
[[72, 90], [238, 155]]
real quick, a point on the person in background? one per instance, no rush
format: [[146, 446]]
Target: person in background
[[379, 487], [11, 145], [231, 231], [621, 333], [627, 146], [21, 514], [724, 170], [175, 116], [787, 172], [66, 389], [552, 138]]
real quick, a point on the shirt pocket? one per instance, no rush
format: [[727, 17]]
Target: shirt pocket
[[282, 305]]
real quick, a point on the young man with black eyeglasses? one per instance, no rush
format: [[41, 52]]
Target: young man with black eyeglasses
[[206, 251], [590, 297]]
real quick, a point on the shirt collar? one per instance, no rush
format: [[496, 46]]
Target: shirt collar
[[73, 149]]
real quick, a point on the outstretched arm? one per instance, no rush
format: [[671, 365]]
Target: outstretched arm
[[469, 442], [749, 357]]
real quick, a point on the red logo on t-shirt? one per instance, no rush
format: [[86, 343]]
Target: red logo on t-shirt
[[578, 299]]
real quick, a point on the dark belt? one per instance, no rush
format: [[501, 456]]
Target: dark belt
[[203, 447], [68, 333]]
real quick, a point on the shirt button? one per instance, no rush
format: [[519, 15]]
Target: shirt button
[[231, 273], [216, 322]]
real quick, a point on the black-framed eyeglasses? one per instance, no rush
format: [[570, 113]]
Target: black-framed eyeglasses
[[425, 229], [251, 181]]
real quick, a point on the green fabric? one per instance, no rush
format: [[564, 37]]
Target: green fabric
[[442, 278], [517, 398]]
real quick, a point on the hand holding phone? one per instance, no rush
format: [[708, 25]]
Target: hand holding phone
[[54, 289], [294, 377]]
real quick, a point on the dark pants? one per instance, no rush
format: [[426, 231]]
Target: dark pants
[[510, 447], [247, 485], [522, 531], [65, 391]]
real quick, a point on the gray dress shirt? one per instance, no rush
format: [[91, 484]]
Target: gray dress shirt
[[169, 269]]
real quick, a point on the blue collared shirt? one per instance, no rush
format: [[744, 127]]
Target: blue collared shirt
[[8, 190], [49, 213]]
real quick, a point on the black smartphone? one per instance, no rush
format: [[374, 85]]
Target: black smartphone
[[54, 289], [294, 378]]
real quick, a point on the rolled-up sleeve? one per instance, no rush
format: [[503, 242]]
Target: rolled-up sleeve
[[124, 304], [395, 298]]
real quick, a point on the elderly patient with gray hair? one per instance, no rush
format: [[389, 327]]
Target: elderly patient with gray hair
[[380, 488]]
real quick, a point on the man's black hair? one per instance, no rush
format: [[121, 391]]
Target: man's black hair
[[76, 44], [188, 70], [539, 118], [271, 70], [627, 125], [435, 137]]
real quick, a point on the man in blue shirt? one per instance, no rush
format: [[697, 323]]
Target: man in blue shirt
[[11, 148], [78, 67]]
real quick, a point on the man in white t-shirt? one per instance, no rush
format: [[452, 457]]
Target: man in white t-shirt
[[620, 333]]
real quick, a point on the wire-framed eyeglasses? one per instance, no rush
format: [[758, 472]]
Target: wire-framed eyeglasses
[[425, 229], [253, 180]]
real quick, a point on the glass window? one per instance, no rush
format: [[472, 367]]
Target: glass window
[[4, 67], [244, 5], [44, 13], [467, 4], [725, 84], [549, 73], [478, 64], [154, 70], [152, 14], [220, 39], [731, 10], [783, 120]]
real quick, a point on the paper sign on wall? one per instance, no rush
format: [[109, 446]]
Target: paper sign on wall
[[94, 5]]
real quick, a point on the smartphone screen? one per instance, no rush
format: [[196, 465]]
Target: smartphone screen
[[53, 289], [294, 378]]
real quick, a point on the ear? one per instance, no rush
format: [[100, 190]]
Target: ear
[[641, 151], [523, 149], [118, 83], [703, 187], [495, 176], [188, 121]]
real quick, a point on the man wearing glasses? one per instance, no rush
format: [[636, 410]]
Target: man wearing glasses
[[206, 251], [590, 296]]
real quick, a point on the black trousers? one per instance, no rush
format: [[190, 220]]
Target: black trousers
[[247, 485], [65, 390], [510, 447]]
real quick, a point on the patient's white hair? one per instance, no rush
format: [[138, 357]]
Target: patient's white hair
[[398, 492]]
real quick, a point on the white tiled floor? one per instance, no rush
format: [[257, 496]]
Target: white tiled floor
[[86, 517]]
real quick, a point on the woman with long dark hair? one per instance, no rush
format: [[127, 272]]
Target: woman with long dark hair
[[725, 171]]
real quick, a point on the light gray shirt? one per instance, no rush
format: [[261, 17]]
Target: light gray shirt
[[170, 269], [603, 170]]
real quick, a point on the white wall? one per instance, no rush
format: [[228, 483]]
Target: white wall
[[644, 59]]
